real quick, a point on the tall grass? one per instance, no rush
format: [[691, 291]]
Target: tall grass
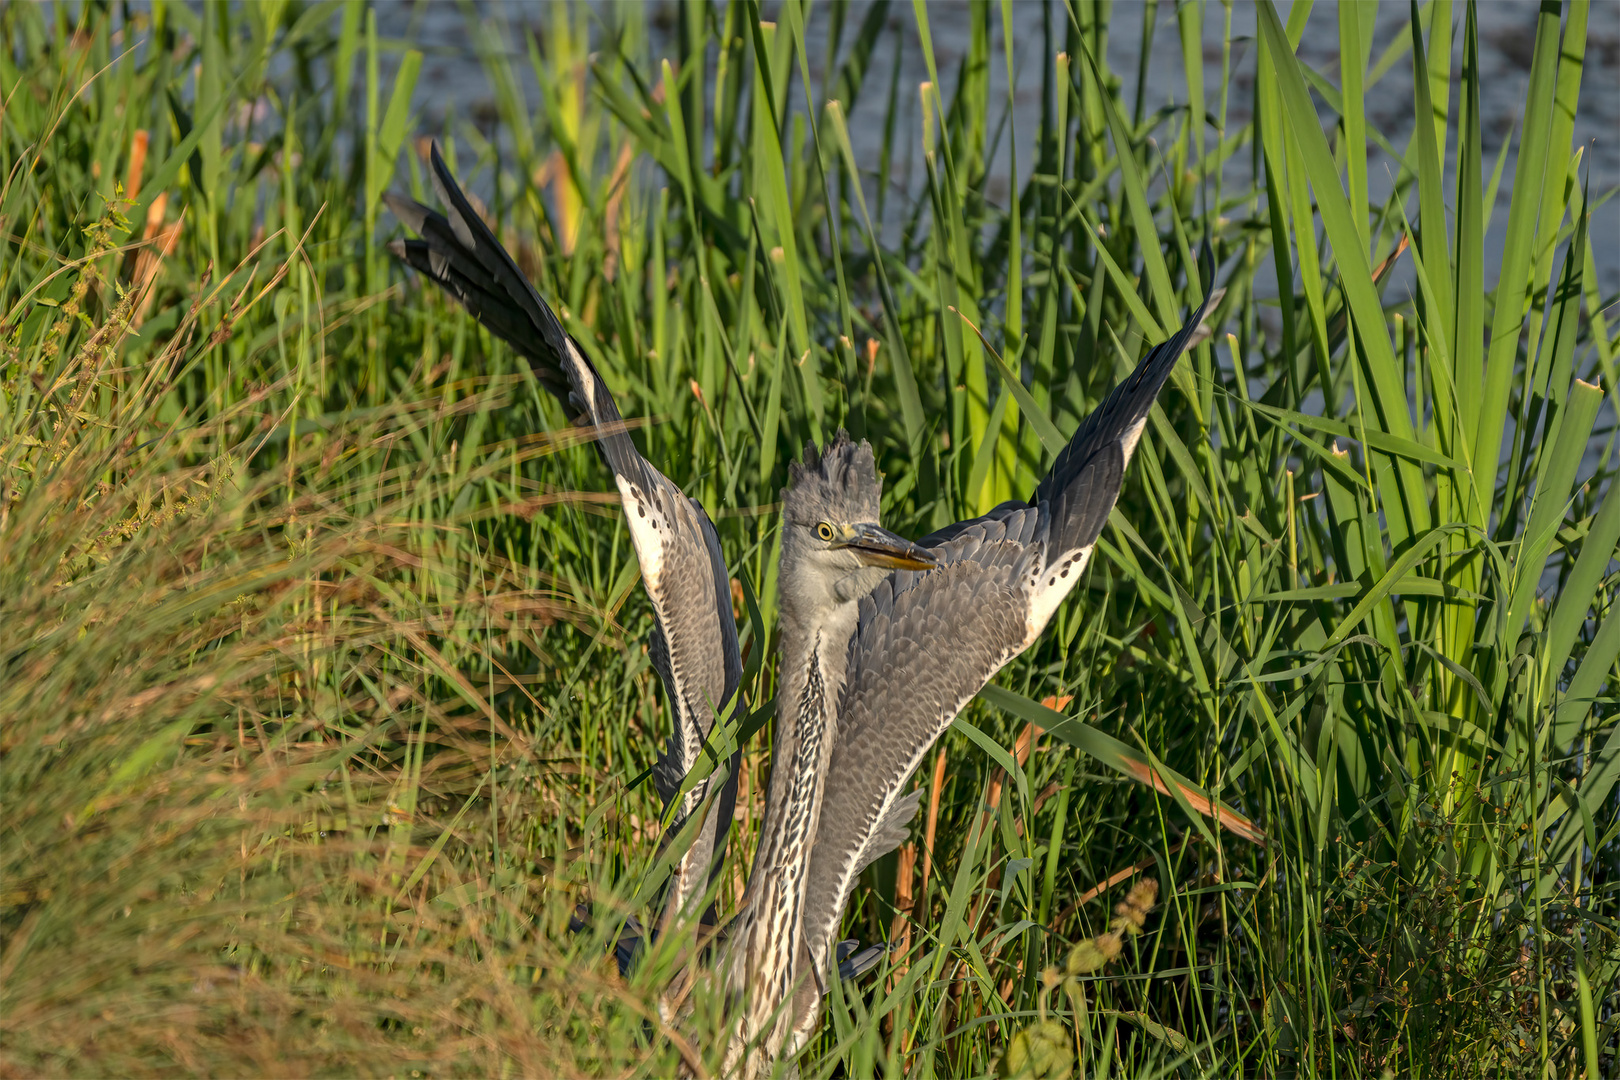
[[321, 675]]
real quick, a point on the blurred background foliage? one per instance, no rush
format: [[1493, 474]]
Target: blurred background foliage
[[323, 693]]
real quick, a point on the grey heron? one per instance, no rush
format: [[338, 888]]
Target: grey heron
[[694, 640], [882, 641]]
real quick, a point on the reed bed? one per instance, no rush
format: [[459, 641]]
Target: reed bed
[[323, 692]]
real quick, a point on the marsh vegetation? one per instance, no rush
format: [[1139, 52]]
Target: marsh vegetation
[[323, 694]]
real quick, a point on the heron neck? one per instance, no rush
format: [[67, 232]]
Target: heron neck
[[813, 645], [810, 679], [813, 661]]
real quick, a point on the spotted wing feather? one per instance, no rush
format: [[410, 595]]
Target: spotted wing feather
[[694, 641]]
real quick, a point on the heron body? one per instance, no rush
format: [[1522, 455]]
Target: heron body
[[833, 554], [882, 642]]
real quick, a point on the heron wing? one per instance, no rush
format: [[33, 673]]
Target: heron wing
[[1123, 414], [926, 643], [694, 641], [955, 529]]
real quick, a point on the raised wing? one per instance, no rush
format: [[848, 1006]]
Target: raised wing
[[694, 644], [926, 643]]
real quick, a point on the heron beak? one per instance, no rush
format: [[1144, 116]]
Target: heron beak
[[874, 545]]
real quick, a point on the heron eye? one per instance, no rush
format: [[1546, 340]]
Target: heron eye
[[824, 531]]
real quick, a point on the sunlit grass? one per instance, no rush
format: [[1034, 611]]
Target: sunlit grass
[[322, 681]]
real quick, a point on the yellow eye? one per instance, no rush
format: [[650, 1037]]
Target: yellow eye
[[824, 531]]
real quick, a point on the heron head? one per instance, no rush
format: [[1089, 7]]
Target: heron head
[[833, 549]]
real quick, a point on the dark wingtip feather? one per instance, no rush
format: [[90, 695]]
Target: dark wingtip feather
[[1129, 402], [1206, 328], [462, 216], [858, 964], [410, 212], [460, 253]]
